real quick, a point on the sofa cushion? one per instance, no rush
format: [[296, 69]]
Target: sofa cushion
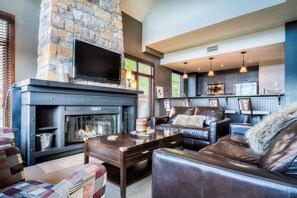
[[189, 121], [211, 113], [169, 127], [281, 155], [174, 111], [232, 149], [195, 133]]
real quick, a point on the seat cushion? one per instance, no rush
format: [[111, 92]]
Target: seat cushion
[[26, 189], [169, 127], [195, 133], [232, 148], [211, 113], [174, 111]]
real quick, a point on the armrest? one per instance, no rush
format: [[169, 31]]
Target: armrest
[[219, 129], [159, 120], [239, 129], [88, 181], [6, 136], [203, 176], [11, 164]]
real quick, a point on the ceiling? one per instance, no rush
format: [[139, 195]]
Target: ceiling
[[138, 9], [253, 56], [260, 20]]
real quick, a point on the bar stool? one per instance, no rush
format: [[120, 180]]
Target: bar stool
[[214, 102], [245, 107]]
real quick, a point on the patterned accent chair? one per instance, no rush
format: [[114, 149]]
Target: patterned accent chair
[[88, 181]]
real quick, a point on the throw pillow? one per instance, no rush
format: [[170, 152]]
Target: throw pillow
[[189, 120], [264, 133]]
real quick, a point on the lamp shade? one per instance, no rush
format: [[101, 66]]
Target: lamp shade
[[134, 84], [128, 74], [210, 73], [243, 69], [185, 76]]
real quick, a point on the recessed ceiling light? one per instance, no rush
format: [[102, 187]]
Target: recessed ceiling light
[[199, 68], [250, 61], [222, 65]]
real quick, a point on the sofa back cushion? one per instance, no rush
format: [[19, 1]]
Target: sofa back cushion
[[281, 154], [174, 111], [211, 113]]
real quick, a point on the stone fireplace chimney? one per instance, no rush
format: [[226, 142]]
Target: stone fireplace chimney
[[61, 21]]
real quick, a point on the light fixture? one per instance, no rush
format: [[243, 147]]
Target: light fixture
[[134, 84], [210, 73], [128, 78], [243, 68], [185, 76]]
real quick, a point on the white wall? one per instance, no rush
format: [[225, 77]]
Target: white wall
[[257, 39], [272, 75], [169, 18], [26, 30]]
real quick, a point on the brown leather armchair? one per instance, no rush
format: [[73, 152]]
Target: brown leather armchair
[[229, 168], [215, 125]]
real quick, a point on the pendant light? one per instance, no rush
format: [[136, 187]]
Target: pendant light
[[185, 76], [243, 68], [210, 73]]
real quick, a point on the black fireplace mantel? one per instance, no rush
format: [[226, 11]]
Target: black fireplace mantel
[[45, 104]]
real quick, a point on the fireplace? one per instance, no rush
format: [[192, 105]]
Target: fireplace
[[80, 127], [69, 113]]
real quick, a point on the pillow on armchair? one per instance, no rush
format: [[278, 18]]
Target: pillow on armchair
[[189, 121]]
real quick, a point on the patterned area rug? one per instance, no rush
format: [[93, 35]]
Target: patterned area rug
[[56, 170]]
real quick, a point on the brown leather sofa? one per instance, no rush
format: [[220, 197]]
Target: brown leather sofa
[[229, 168], [215, 125]]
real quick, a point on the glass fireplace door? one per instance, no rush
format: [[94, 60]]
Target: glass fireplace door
[[78, 127]]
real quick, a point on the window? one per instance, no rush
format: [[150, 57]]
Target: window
[[176, 84], [143, 73], [6, 66]]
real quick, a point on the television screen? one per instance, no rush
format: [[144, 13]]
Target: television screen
[[91, 62]]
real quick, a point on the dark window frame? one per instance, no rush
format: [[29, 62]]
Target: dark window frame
[[151, 77], [11, 64]]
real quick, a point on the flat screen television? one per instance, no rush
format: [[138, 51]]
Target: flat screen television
[[94, 63]]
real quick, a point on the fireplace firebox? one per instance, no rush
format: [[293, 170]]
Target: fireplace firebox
[[80, 127]]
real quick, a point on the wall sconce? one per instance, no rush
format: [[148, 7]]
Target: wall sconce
[[134, 84], [128, 78]]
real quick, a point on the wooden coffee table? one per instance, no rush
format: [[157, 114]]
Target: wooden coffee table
[[128, 159]]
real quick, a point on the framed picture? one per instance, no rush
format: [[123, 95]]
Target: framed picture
[[160, 92], [186, 103], [167, 105]]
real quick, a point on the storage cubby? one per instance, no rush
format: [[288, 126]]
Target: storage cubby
[[46, 127]]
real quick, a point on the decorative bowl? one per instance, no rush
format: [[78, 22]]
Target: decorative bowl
[[273, 91]]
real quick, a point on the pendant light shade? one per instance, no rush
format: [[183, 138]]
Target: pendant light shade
[[210, 73], [243, 68], [185, 76]]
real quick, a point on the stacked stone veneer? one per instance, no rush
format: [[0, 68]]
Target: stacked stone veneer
[[61, 21]]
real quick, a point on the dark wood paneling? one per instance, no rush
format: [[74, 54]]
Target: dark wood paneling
[[291, 61], [229, 77]]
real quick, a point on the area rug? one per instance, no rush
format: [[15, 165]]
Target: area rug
[[54, 171], [64, 163]]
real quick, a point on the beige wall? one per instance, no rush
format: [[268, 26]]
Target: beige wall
[[26, 30], [272, 75]]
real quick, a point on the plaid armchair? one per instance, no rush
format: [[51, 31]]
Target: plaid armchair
[[88, 181]]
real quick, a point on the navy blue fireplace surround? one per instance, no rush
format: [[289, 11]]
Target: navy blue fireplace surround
[[47, 106]]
